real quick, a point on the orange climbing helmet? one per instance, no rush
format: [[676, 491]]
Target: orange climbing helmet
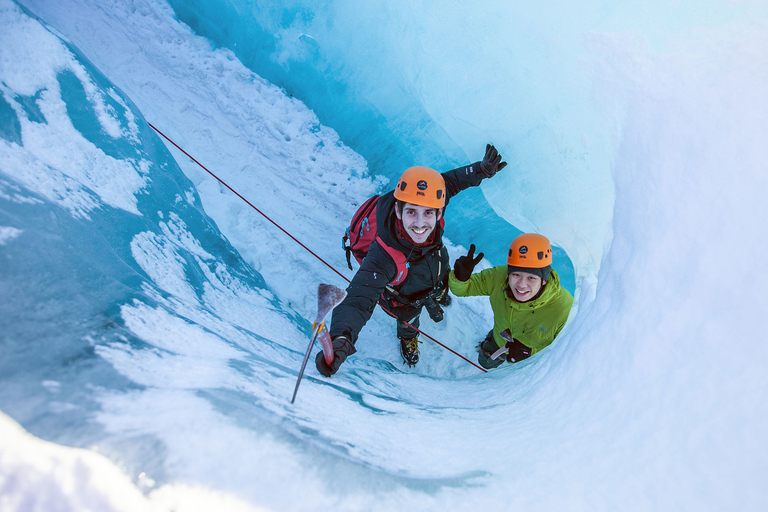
[[421, 186], [530, 251]]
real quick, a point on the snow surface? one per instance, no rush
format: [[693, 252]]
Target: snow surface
[[153, 324]]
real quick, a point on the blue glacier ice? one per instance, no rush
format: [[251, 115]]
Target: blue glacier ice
[[152, 323]]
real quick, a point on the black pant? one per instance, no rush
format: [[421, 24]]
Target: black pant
[[404, 313]]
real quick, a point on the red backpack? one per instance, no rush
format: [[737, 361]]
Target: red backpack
[[362, 231]]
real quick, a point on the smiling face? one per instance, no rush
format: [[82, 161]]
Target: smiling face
[[525, 286], [418, 221]]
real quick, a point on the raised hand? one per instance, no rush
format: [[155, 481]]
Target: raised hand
[[463, 267], [491, 163]]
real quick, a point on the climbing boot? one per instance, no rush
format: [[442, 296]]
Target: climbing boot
[[409, 348]]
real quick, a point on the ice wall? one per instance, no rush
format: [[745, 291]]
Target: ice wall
[[97, 225]]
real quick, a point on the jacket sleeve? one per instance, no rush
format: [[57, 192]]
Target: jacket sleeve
[[462, 178], [376, 271], [480, 283]]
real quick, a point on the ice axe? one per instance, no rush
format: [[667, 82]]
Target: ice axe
[[328, 297], [503, 350]]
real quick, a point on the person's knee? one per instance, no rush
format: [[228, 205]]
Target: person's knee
[[488, 363], [487, 348]]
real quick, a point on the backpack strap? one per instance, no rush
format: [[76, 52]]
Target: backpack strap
[[401, 262], [358, 234]]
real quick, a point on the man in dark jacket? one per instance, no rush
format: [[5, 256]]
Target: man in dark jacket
[[409, 221]]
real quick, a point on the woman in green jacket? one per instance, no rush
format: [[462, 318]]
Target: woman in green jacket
[[529, 306]]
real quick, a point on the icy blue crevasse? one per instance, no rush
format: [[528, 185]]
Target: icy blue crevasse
[[296, 44], [66, 271]]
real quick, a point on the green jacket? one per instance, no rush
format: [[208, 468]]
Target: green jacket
[[535, 323]]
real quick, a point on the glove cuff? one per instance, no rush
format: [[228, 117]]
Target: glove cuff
[[343, 345]]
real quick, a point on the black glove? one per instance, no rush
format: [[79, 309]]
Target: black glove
[[516, 351], [463, 267], [491, 163], [342, 348]]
